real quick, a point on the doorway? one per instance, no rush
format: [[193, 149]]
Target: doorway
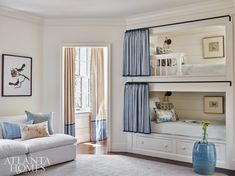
[[91, 98]]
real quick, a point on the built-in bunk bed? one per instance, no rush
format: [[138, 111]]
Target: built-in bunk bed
[[183, 79], [183, 114]]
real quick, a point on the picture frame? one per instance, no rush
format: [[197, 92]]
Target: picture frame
[[214, 105], [16, 75], [213, 47]]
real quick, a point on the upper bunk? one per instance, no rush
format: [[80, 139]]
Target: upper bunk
[[191, 51]]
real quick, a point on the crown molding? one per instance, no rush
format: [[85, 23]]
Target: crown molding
[[84, 22], [193, 11], [11, 13]]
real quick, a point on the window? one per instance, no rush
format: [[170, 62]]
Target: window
[[82, 80]]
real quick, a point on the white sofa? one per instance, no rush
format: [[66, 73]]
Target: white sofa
[[56, 148]]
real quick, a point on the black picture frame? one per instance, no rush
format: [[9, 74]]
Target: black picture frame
[[16, 76]]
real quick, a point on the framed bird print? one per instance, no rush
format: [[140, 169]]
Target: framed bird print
[[16, 75]]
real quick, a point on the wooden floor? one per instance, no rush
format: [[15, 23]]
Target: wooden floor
[[96, 148]]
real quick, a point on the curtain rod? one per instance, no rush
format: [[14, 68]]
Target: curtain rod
[[183, 22], [175, 82]]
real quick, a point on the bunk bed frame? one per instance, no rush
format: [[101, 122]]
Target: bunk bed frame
[[177, 147]]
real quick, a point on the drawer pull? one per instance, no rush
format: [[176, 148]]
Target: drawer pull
[[142, 142], [166, 146], [183, 148]]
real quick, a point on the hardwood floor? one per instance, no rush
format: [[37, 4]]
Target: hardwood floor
[[96, 148]]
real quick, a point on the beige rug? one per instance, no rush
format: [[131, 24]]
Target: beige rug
[[115, 165]]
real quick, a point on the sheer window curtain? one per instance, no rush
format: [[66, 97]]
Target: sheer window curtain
[[69, 93], [98, 113]]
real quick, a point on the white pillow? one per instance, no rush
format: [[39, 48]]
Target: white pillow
[[34, 130], [152, 102], [165, 115]]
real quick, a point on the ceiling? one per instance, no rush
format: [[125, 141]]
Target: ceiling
[[92, 8]]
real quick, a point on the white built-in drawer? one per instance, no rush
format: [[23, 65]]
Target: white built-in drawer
[[184, 148], [156, 144]]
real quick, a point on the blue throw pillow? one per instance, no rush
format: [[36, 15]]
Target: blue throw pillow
[[39, 118], [12, 130]]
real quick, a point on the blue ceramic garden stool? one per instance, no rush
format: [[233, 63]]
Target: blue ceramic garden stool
[[204, 158]]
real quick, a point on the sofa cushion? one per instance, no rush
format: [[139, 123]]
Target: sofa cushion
[[41, 117], [53, 141], [12, 130], [19, 119], [9, 148], [34, 130]]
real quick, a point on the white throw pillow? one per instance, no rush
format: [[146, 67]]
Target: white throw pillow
[[165, 115], [34, 130], [165, 112]]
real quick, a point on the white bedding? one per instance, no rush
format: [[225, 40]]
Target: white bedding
[[203, 69], [216, 130], [195, 69]]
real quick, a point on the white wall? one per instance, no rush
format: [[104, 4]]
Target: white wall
[[54, 37], [22, 37]]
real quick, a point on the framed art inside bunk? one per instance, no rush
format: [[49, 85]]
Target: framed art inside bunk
[[213, 47], [214, 105], [16, 75]]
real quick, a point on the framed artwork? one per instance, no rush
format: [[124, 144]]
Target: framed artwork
[[214, 105], [16, 75], [213, 47]]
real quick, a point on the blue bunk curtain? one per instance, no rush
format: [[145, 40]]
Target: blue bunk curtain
[[136, 53], [136, 108]]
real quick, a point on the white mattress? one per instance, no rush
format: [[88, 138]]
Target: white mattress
[[216, 130], [195, 69], [203, 69]]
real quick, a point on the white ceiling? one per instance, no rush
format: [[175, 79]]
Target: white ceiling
[[92, 8]]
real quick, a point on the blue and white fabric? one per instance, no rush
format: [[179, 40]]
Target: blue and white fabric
[[12, 130]]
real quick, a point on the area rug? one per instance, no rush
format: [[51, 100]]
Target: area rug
[[116, 165]]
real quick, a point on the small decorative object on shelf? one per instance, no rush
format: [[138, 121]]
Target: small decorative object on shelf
[[204, 153]]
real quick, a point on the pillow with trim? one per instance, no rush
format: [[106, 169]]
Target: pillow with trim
[[34, 130], [41, 117], [165, 115]]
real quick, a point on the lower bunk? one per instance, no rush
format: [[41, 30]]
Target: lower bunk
[[193, 128], [175, 124], [174, 147]]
